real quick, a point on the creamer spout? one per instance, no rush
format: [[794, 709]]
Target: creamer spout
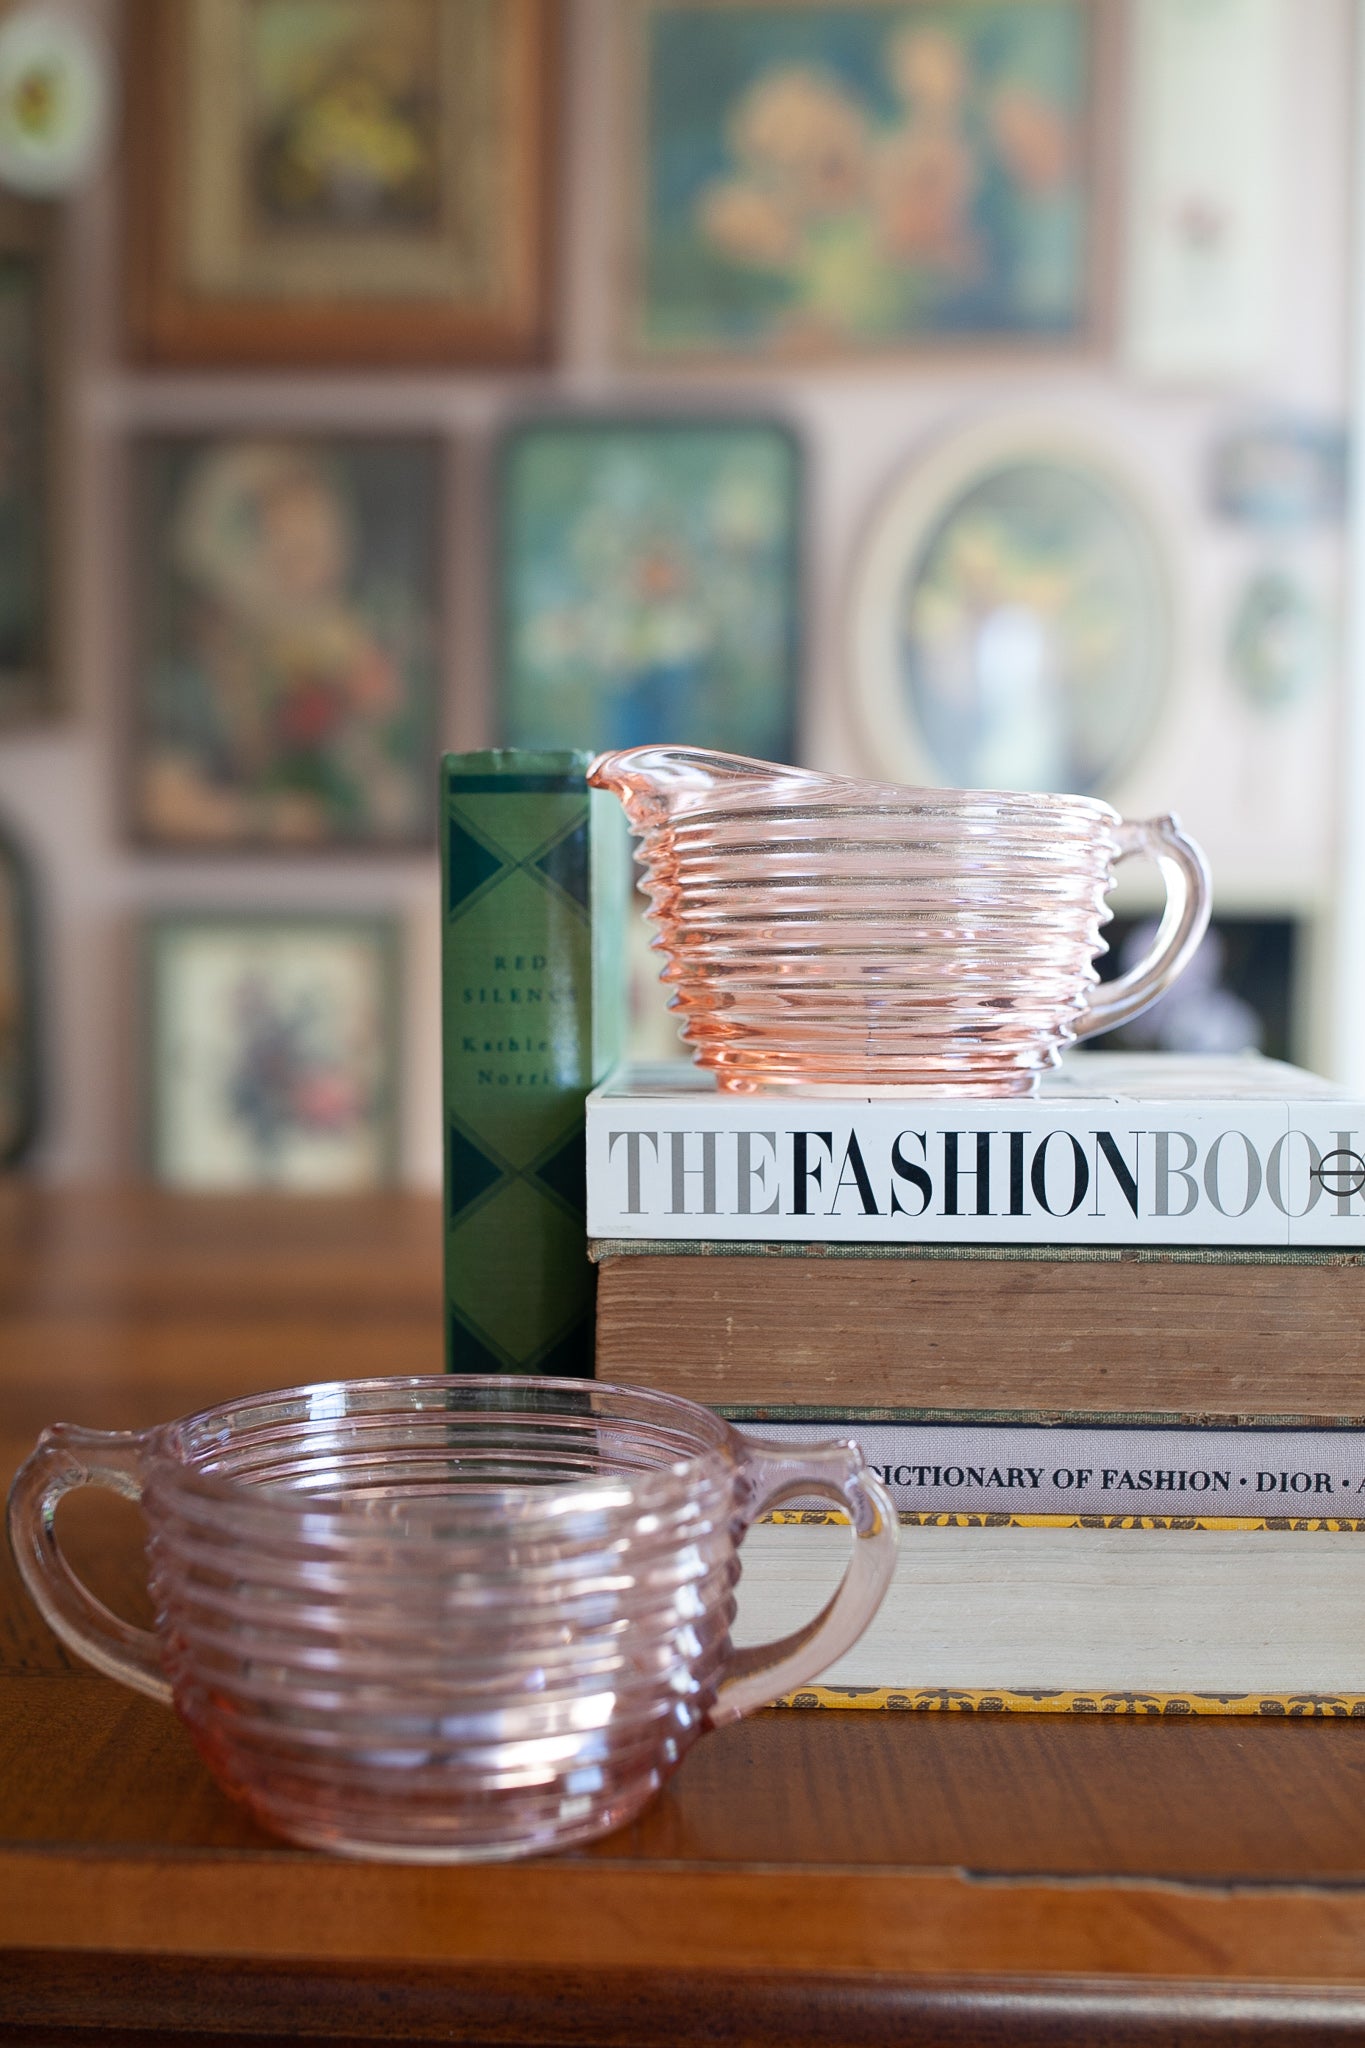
[[683, 771]]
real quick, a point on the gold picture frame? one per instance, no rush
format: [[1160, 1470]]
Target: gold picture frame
[[339, 183]]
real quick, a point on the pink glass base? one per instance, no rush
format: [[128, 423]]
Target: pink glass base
[[459, 1824], [1017, 1086]]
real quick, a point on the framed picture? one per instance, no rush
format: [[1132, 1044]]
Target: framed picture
[[1280, 475], [648, 584], [336, 181], [29, 456], [1278, 639], [1011, 617], [286, 641], [19, 1077], [1238, 994], [271, 1051], [819, 178], [1207, 167]]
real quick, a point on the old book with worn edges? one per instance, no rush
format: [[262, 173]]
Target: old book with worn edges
[[1118, 1149], [936, 1463], [1110, 1336], [1107, 1349], [1129, 1479], [533, 871], [1096, 1615]]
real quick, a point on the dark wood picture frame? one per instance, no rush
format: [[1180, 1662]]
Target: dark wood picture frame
[[146, 572], [30, 231], [16, 883], [172, 320]]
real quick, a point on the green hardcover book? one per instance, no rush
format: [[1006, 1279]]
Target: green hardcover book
[[533, 874]]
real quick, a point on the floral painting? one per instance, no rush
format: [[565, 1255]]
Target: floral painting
[[345, 106], [340, 181], [820, 178], [648, 585], [285, 675], [271, 1053]]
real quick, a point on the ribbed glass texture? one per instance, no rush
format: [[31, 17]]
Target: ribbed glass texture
[[446, 1619], [828, 935], [459, 1620]]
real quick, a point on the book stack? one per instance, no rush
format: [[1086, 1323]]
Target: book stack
[[1105, 1347]]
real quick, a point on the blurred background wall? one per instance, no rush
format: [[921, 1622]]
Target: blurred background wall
[[1257, 785]]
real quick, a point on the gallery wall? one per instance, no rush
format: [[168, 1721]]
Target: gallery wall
[[1258, 790]]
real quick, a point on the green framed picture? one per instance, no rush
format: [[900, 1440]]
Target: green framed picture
[[817, 179], [287, 600], [271, 1051], [648, 583]]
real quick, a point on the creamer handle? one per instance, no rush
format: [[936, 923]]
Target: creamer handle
[[1189, 899]]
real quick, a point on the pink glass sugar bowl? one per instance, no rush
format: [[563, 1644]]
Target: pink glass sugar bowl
[[447, 1619], [835, 936]]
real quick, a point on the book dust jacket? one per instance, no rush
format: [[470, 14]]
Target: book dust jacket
[[533, 875]]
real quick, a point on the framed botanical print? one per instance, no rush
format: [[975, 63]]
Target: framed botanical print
[[29, 458], [648, 583], [271, 1052], [19, 1076], [340, 181], [286, 593], [823, 178], [1011, 615]]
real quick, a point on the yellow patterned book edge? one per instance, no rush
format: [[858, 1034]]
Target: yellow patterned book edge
[[1279, 1706], [1003, 1700], [1282, 1524]]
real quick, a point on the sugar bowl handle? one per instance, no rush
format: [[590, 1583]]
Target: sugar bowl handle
[[64, 1458], [1189, 899], [838, 1471]]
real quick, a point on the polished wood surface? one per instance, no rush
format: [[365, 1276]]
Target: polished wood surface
[[806, 1877]]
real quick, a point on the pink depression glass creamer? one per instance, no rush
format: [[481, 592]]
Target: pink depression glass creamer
[[447, 1619], [839, 936]]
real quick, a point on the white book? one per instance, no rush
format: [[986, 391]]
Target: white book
[[1141, 1149], [1226, 1619], [987, 1465]]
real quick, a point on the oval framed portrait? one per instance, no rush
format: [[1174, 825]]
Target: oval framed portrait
[[1012, 616]]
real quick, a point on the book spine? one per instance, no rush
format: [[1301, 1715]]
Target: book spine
[[1016, 1471], [532, 866], [734, 1169]]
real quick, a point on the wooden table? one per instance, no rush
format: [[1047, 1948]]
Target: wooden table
[[806, 1878]]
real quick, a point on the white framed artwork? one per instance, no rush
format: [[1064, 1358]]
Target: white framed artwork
[[270, 1050], [1012, 616], [1206, 183]]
